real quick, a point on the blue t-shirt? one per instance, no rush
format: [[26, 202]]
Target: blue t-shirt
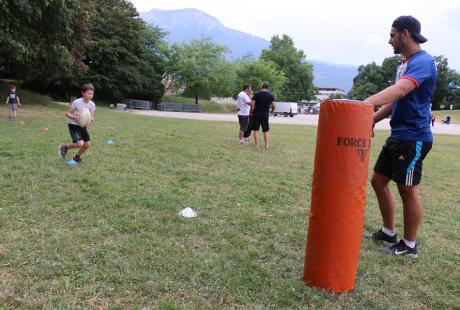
[[411, 115]]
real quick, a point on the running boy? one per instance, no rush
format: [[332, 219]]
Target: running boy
[[13, 102], [80, 135]]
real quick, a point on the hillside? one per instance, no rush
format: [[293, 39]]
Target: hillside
[[187, 24]]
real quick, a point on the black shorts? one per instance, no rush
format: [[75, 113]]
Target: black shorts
[[244, 121], [260, 120], [401, 160], [248, 131], [78, 133]]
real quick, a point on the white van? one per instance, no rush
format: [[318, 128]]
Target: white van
[[285, 108]]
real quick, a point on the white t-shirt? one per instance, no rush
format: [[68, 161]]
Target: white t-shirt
[[241, 102], [79, 104]]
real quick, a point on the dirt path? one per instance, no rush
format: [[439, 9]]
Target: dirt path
[[312, 120]]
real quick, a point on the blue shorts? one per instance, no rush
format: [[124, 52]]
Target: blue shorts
[[13, 106]]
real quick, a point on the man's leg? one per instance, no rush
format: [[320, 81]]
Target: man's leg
[[266, 139], [413, 210], [256, 138], [385, 198]]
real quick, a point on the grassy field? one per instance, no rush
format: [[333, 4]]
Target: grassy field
[[455, 114], [106, 233], [206, 105]]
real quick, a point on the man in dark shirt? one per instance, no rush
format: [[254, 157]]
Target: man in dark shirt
[[261, 103]]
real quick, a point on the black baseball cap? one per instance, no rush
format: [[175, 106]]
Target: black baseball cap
[[411, 24]]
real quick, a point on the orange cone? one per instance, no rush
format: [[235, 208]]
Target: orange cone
[[338, 194]]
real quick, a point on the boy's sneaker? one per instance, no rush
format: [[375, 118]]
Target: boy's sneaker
[[241, 141], [400, 249], [77, 158], [62, 151], [381, 236]]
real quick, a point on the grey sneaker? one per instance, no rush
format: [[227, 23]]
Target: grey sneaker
[[62, 151], [381, 236]]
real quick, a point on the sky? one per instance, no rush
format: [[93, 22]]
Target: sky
[[351, 32]]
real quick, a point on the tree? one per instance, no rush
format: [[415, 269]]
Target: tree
[[291, 61], [43, 41], [442, 83], [369, 80], [255, 72], [388, 70], [196, 65], [125, 57], [453, 97]]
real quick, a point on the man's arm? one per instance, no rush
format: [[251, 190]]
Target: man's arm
[[392, 93], [273, 106], [384, 112], [17, 98]]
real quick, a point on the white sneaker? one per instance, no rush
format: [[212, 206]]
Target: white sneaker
[[241, 141]]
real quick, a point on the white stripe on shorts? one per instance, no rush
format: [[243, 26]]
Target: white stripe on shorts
[[410, 177]]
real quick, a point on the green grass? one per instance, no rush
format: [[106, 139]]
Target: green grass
[[106, 234], [206, 105], [441, 114]]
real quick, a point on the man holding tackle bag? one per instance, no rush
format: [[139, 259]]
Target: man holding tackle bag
[[408, 102]]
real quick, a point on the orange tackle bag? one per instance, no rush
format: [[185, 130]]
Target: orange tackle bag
[[338, 194]]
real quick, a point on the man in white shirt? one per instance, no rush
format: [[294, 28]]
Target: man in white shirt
[[243, 103]]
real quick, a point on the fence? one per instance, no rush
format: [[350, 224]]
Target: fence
[[138, 104], [179, 107]]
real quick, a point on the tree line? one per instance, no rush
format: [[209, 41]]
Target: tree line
[[55, 46]]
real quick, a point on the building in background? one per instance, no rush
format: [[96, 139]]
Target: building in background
[[329, 92]]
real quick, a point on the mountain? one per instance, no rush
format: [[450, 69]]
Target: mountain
[[336, 75], [187, 24]]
